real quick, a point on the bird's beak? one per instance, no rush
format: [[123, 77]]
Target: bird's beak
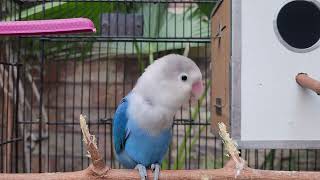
[[197, 90]]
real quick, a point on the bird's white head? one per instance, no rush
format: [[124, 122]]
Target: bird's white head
[[171, 81]]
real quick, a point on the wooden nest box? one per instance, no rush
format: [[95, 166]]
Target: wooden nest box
[[258, 48]]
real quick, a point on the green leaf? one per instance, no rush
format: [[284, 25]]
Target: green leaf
[[159, 23]]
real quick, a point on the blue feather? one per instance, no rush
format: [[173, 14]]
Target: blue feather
[[119, 128], [134, 145], [144, 148]]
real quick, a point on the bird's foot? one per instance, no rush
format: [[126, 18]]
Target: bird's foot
[[142, 171], [156, 171]]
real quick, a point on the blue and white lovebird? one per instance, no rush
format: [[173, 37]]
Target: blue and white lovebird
[[143, 121]]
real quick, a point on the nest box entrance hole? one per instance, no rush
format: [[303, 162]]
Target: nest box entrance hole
[[298, 25]]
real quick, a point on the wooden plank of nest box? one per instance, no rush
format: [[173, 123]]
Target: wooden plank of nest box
[[220, 60]]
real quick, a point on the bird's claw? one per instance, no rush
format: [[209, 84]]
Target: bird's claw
[[156, 171], [142, 171]]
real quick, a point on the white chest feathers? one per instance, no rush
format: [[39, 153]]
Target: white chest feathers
[[149, 116]]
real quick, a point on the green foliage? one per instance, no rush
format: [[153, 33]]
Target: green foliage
[[158, 23], [215, 163], [59, 10], [206, 8], [269, 159]]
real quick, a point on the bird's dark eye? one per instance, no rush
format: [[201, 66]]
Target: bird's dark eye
[[184, 77]]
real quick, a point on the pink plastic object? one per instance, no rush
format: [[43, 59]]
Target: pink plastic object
[[44, 27]]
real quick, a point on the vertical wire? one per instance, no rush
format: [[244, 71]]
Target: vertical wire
[[12, 112], [116, 78], [2, 126], [273, 157], [206, 107], [89, 94], [256, 159], [98, 93], [24, 125], [73, 108], [215, 153], [191, 125], [14, 134], [56, 115], [81, 107], [315, 159], [307, 159], [41, 89], [107, 108], [177, 135], [74, 82], [298, 164], [31, 124], [17, 103], [281, 159], [65, 65], [49, 117], [2, 152], [7, 121], [265, 159], [290, 159], [191, 24], [248, 156], [222, 153], [199, 115], [185, 143], [1, 19], [172, 130]]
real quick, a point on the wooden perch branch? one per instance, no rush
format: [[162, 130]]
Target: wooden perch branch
[[228, 172], [306, 81], [98, 170], [98, 165]]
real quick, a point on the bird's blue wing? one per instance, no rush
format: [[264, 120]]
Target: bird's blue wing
[[120, 131]]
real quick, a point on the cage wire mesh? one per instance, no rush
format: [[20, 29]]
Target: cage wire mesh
[[47, 82]]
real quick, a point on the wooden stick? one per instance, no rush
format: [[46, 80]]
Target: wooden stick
[[228, 172], [306, 81], [98, 165]]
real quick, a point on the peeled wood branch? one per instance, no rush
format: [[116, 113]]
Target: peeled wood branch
[[98, 170], [98, 165], [228, 172]]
